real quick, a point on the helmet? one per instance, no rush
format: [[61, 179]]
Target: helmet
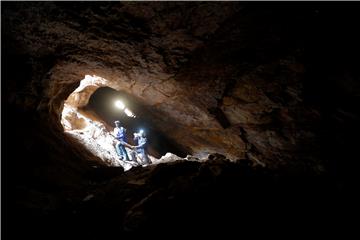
[[141, 133]]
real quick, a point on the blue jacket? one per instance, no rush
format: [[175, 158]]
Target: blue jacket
[[120, 134]]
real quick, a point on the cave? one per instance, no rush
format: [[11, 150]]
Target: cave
[[251, 111], [89, 114]]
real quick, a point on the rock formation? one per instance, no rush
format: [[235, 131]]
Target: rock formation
[[241, 89]]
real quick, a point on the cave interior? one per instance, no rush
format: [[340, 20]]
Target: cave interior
[[251, 111]]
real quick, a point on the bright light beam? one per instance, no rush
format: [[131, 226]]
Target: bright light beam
[[129, 113], [120, 104]]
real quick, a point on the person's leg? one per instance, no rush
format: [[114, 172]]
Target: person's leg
[[133, 156], [118, 150], [124, 152], [146, 157], [143, 156]]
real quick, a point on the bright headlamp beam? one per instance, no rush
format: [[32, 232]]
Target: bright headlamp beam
[[128, 113], [120, 104]]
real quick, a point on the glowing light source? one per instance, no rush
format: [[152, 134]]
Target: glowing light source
[[141, 131], [120, 104], [129, 113]]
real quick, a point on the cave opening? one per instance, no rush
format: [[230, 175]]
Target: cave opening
[[265, 98], [101, 103], [89, 114]]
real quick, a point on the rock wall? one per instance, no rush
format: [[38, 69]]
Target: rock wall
[[270, 90], [228, 81]]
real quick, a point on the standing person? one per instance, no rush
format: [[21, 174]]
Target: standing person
[[120, 135], [140, 148]]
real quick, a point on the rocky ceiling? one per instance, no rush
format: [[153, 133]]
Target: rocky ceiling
[[211, 82], [275, 85]]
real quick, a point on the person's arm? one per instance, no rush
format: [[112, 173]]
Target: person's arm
[[114, 134], [142, 144], [123, 143], [127, 145]]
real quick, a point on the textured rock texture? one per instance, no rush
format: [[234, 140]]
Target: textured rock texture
[[141, 58], [234, 85], [218, 81]]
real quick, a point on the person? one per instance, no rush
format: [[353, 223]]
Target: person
[[120, 135], [141, 141]]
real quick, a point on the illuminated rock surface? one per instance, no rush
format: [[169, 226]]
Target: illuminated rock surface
[[185, 72], [246, 91]]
